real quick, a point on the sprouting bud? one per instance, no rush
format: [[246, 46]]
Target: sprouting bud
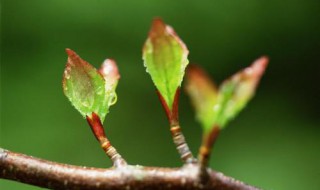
[[110, 72], [87, 89], [165, 58]]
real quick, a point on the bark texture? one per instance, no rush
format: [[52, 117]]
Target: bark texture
[[42, 173]]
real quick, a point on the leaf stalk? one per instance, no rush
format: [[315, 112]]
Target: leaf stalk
[[205, 150], [177, 135], [98, 131]]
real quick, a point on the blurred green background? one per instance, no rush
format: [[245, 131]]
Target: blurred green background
[[272, 144]]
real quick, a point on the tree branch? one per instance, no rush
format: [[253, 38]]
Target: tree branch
[[42, 173]]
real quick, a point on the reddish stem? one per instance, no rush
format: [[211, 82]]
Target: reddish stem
[[177, 135], [96, 126], [206, 149], [98, 131]]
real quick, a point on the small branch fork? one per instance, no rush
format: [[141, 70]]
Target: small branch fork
[[193, 175], [42, 173], [172, 112]]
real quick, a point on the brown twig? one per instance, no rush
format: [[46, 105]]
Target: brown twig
[[42, 173]]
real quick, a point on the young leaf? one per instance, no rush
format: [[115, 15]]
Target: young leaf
[[110, 73], [215, 108], [165, 57], [86, 88], [235, 92], [203, 94]]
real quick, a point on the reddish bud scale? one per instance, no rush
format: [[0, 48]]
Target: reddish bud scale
[[173, 113], [173, 117], [96, 126], [71, 53], [205, 150], [207, 143], [98, 131]]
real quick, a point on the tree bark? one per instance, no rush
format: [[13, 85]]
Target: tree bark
[[43, 173]]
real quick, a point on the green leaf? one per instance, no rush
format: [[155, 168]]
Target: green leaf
[[233, 95], [165, 57], [88, 89], [203, 94]]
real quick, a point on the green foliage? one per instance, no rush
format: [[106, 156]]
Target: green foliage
[[165, 57], [216, 108], [88, 89], [203, 94]]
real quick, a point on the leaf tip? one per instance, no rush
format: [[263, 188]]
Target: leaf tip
[[262, 62], [73, 57], [157, 28], [67, 70], [258, 67], [70, 52], [264, 59]]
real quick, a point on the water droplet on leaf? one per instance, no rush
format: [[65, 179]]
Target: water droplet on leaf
[[113, 99]]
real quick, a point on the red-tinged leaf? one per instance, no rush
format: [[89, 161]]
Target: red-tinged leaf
[[85, 87], [172, 115], [214, 108], [165, 57], [235, 92], [203, 94]]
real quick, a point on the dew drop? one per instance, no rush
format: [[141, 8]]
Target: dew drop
[[113, 99], [145, 65]]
